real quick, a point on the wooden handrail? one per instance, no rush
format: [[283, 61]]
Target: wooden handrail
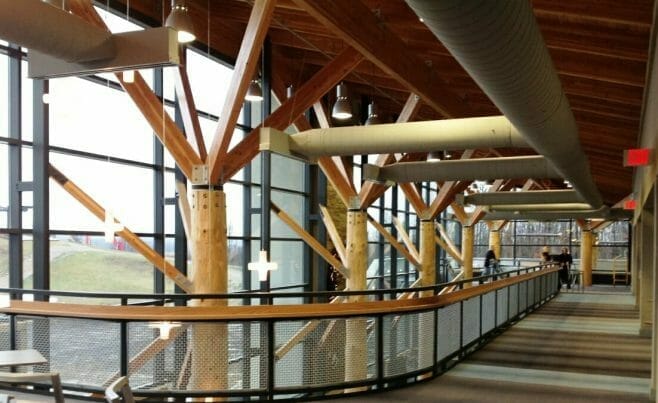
[[257, 312]]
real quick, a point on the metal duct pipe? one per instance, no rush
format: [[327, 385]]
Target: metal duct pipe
[[449, 134], [606, 214], [499, 44], [540, 207], [39, 26], [527, 197], [480, 168]]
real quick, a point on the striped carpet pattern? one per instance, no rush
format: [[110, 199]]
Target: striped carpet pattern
[[580, 347]]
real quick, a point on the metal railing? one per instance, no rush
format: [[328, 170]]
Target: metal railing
[[404, 341]]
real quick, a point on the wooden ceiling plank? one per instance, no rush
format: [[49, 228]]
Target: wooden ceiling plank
[[188, 111], [244, 71], [353, 22], [289, 111]]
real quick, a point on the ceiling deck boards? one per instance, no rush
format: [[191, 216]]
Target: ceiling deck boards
[[599, 48]]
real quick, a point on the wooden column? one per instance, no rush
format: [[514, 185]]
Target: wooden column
[[427, 256], [209, 342], [356, 350], [467, 252], [646, 272], [427, 271], [494, 242], [586, 257]]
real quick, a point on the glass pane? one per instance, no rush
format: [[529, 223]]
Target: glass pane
[[292, 205], [89, 263], [201, 71], [289, 256], [4, 95], [26, 103], [234, 209], [4, 260], [235, 264], [287, 173], [125, 190], [77, 123], [4, 186]]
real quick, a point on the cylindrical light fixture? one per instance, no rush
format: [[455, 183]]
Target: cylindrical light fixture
[[342, 109], [179, 19], [254, 93], [290, 90], [373, 115]]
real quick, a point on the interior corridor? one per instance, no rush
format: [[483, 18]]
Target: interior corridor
[[580, 347]]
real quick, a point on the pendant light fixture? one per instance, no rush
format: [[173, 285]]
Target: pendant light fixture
[[342, 109], [254, 93], [179, 20], [373, 115]]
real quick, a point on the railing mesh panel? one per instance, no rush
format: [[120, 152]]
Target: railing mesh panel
[[324, 346], [85, 352], [488, 311], [471, 320], [531, 292], [523, 296], [448, 330], [408, 342], [513, 300], [501, 306], [5, 334]]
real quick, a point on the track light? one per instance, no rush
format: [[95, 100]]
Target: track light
[[254, 93], [179, 20], [342, 108], [373, 115]]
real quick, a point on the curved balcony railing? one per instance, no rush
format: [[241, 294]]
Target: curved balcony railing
[[254, 352]]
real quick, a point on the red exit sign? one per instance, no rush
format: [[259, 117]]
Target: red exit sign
[[637, 157]]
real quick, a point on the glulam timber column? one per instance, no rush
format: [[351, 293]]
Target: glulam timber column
[[586, 257], [645, 271], [467, 252], [494, 242], [427, 256], [427, 278], [356, 349], [209, 342]]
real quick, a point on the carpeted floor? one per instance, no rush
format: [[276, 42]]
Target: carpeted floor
[[580, 347]]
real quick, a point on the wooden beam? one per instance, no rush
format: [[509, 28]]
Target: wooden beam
[[323, 81], [357, 25], [413, 196], [448, 250], [243, 72], [133, 240], [450, 245], [406, 239], [308, 238], [461, 214], [188, 110], [394, 242], [341, 184], [371, 191], [333, 234]]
